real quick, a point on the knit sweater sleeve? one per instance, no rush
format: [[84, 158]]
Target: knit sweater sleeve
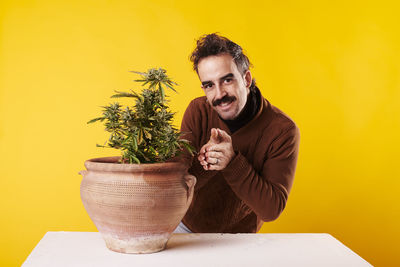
[[192, 127], [266, 193]]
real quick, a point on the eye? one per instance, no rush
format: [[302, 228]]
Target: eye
[[228, 80], [207, 86]]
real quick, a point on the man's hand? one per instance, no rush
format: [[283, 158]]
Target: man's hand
[[218, 152]]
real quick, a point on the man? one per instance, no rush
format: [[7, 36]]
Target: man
[[247, 148]]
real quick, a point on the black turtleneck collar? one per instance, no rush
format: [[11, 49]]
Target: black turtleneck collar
[[251, 108]]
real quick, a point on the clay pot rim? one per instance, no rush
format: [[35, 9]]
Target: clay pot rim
[[110, 164]]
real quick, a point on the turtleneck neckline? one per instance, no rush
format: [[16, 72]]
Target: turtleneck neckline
[[251, 108]]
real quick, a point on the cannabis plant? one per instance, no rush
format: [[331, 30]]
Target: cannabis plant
[[144, 132]]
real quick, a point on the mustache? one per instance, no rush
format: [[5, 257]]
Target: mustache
[[226, 98]]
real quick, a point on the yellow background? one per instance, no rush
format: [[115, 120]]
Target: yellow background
[[332, 66]]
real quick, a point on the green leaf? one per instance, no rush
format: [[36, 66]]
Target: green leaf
[[169, 86], [141, 73], [135, 159], [123, 94], [161, 91], [96, 119], [153, 84], [187, 146], [171, 82], [135, 145], [143, 155], [140, 137]]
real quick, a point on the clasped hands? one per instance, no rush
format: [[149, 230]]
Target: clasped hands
[[218, 152]]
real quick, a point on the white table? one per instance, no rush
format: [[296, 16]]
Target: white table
[[249, 250]]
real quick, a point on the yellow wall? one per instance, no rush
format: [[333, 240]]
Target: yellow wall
[[333, 67]]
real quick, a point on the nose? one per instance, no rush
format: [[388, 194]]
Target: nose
[[219, 92]]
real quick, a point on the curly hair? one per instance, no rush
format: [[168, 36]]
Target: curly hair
[[214, 44]]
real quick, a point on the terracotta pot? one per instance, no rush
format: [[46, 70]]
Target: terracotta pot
[[135, 207]]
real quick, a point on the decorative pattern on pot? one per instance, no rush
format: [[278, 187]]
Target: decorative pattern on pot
[[136, 207]]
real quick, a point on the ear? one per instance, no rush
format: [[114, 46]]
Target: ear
[[248, 78]]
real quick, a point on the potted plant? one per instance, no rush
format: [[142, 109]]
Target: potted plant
[[137, 199]]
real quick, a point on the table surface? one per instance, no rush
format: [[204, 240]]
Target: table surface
[[88, 249]]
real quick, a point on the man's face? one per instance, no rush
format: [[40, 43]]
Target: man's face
[[225, 88]]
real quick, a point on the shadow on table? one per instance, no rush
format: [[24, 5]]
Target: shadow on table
[[182, 241]]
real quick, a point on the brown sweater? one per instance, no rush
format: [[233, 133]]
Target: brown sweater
[[255, 185]]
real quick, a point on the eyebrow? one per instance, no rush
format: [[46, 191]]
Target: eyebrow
[[229, 75]]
